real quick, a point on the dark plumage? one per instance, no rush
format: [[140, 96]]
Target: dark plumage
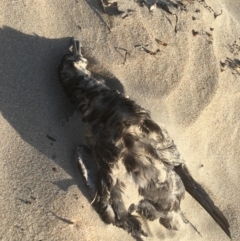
[[121, 134]]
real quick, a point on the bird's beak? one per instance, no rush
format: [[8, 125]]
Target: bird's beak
[[76, 49]]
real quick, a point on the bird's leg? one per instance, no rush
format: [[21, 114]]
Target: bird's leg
[[107, 199], [104, 185], [111, 208], [169, 220], [123, 218], [102, 201], [117, 202], [172, 220], [146, 209]]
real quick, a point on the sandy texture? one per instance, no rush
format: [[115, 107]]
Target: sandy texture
[[42, 196]]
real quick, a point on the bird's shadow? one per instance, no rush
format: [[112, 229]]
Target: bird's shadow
[[33, 103]]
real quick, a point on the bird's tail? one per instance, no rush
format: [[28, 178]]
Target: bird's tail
[[198, 193]]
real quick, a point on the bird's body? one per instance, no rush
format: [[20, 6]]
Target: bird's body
[[128, 146]]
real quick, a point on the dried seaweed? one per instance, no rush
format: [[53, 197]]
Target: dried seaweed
[[161, 42], [167, 6], [110, 8], [234, 65]]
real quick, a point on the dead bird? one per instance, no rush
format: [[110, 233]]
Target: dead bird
[[120, 133]]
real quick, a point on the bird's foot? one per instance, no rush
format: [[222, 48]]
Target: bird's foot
[[132, 225]]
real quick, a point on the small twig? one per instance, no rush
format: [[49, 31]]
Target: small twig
[[140, 45], [125, 53], [175, 29], [108, 24], [102, 5], [168, 20], [161, 42], [216, 15], [143, 47], [150, 52], [50, 138], [24, 201], [176, 22], [98, 14], [233, 62], [62, 219], [185, 220]]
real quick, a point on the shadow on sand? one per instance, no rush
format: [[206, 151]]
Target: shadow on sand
[[33, 103]]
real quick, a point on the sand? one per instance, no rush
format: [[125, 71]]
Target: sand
[[180, 80]]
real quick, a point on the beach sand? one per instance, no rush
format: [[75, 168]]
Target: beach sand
[[183, 67]]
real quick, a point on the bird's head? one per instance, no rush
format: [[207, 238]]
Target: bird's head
[[73, 65]]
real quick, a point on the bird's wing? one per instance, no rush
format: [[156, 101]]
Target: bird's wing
[[88, 169]]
